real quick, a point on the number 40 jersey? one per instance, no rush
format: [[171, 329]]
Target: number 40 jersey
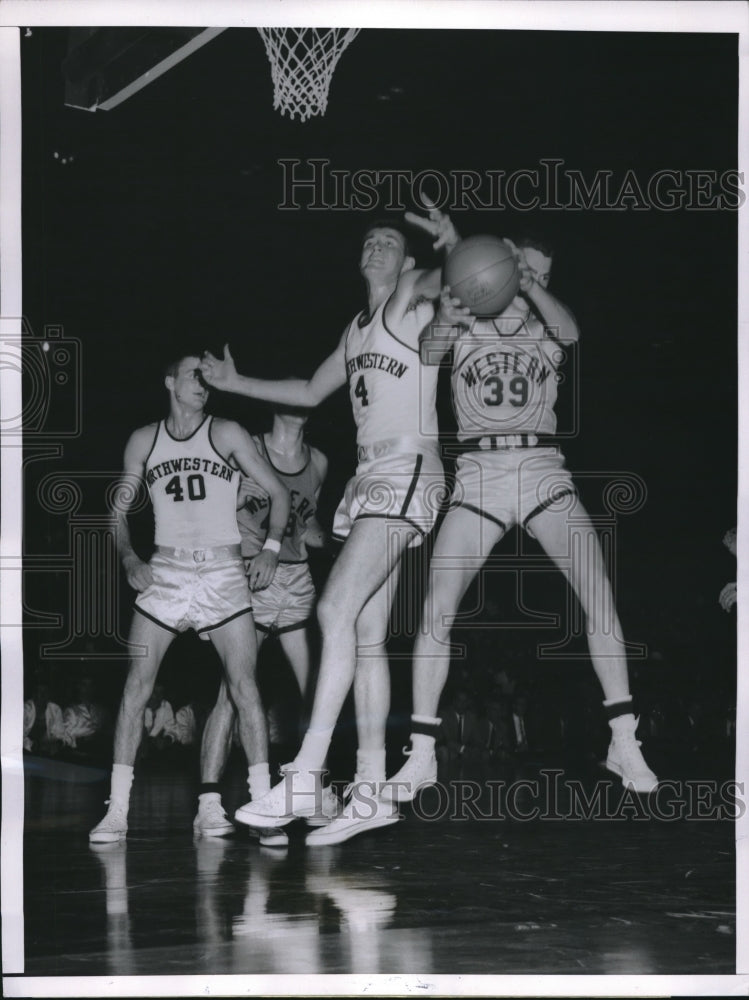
[[193, 490]]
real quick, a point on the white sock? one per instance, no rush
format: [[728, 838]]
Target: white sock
[[420, 741], [209, 797], [258, 780], [429, 719], [370, 764], [624, 721], [314, 749], [623, 725], [122, 780]]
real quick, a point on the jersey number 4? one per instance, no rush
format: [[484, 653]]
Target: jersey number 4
[[361, 391], [195, 488]]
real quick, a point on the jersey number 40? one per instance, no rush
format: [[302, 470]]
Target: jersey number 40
[[195, 488]]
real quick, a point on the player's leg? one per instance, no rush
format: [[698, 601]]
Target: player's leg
[[372, 679], [217, 733], [364, 809], [463, 544], [236, 645], [295, 644], [148, 643], [215, 746], [569, 538], [369, 554], [296, 606]]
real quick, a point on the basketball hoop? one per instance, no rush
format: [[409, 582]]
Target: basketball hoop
[[302, 63]]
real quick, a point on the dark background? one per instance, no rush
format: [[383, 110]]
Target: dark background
[[163, 234]]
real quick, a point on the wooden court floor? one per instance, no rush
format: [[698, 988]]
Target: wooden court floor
[[444, 891]]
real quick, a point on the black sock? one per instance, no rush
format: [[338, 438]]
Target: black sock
[[426, 728], [617, 708]]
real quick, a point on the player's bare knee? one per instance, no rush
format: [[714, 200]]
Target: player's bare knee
[[138, 689], [243, 691], [370, 635], [441, 604], [332, 616]]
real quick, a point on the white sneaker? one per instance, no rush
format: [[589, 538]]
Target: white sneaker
[[113, 827], [625, 757], [272, 837], [364, 810], [419, 771], [211, 820], [298, 794], [330, 808]]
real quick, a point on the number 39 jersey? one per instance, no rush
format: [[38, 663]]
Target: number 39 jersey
[[193, 490], [504, 378], [392, 394]]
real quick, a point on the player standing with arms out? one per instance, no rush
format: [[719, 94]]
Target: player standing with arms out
[[190, 463], [390, 504], [282, 608], [504, 390]]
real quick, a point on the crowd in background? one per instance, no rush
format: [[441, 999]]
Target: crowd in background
[[504, 703], [502, 706]]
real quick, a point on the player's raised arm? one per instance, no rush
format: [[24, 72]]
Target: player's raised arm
[[221, 373], [438, 337], [444, 235], [416, 285], [558, 319], [138, 573], [439, 226]]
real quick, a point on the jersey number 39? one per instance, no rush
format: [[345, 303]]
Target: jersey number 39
[[518, 387]]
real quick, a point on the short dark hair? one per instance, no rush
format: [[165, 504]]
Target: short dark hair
[[170, 371], [534, 241], [388, 223]]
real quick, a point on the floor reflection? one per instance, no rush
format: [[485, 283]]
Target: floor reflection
[[423, 897]]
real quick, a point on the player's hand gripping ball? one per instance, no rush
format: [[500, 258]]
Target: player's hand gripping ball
[[482, 272]]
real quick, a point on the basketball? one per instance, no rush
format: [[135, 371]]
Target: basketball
[[482, 272]]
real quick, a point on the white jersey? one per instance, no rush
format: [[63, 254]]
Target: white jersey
[[193, 490], [392, 394], [504, 378]]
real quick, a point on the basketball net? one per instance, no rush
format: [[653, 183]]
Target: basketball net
[[302, 63]]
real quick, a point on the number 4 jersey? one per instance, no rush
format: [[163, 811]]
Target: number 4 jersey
[[193, 489], [504, 378], [392, 394]]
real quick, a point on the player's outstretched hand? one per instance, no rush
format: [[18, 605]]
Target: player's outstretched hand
[[526, 275], [219, 373], [262, 569], [138, 573], [451, 312], [727, 596], [438, 225]]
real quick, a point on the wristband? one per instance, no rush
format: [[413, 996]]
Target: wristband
[[272, 545]]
